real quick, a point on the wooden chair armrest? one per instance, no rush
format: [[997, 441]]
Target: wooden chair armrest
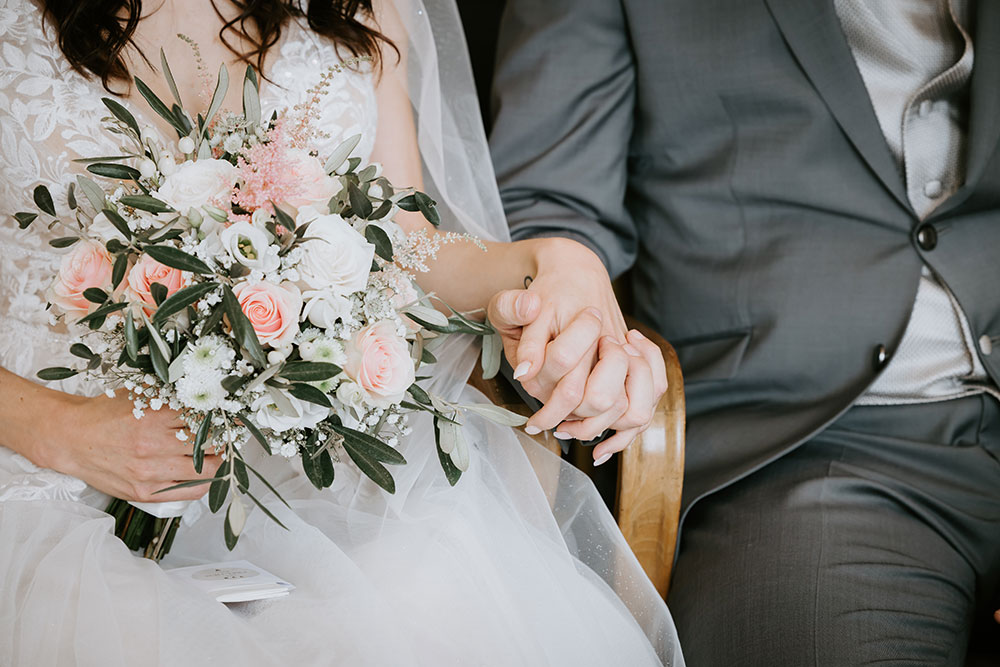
[[650, 470], [651, 476]]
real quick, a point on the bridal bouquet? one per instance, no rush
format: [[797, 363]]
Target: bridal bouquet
[[259, 289]]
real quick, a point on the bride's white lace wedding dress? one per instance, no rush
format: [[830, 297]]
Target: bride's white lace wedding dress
[[491, 572]]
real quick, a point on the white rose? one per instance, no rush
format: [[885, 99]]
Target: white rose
[[284, 412], [199, 183], [351, 395], [337, 258], [102, 228], [250, 247], [323, 309]]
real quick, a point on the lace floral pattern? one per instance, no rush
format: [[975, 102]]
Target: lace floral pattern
[[49, 115]]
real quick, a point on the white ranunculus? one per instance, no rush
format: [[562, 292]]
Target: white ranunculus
[[336, 258], [351, 395], [199, 183], [250, 246], [323, 309], [293, 414]]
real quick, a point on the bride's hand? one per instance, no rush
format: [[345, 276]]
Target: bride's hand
[[566, 338], [100, 441]]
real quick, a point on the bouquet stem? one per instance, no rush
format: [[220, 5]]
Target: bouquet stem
[[142, 531]]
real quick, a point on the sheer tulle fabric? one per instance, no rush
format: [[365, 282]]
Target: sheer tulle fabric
[[519, 564]]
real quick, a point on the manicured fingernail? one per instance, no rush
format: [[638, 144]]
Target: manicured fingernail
[[521, 305], [561, 435], [522, 369], [637, 334], [532, 430], [604, 459], [632, 351]]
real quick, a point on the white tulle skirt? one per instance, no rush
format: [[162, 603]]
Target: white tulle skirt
[[519, 564]]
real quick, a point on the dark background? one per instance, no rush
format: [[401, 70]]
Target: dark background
[[481, 19]]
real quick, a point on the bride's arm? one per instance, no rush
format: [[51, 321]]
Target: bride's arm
[[99, 441], [565, 334]]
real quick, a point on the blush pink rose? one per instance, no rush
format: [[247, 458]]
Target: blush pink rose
[[378, 360], [143, 274], [87, 265], [309, 183], [273, 310]]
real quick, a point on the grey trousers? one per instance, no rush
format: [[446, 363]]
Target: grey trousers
[[878, 541]]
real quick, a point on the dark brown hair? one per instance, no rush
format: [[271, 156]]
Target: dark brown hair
[[93, 34]]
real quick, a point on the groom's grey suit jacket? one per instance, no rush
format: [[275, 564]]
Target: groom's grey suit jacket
[[728, 153]]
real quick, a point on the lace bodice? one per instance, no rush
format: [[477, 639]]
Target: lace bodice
[[50, 115]]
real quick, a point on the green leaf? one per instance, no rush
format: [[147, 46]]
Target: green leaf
[[283, 218], [118, 222], [56, 373], [169, 76], [266, 511], [319, 469], [213, 320], [367, 174], [25, 219], [341, 153], [240, 470], [221, 88], [242, 330], [427, 206], [309, 371], [370, 467], [418, 393], [381, 211], [232, 383], [199, 442], [145, 203], [71, 196], [496, 414], [64, 241], [181, 299], [92, 191], [220, 487], [95, 295], [159, 292], [122, 114], [267, 484], [370, 446], [185, 484], [451, 472], [307, 392], [157, 105], [109, 170], [251, 97], [177, 259], [161, 364], [378, 238], [43, 199], [82, 351], [102, 312], [492, 347], [131, 337], [118, 271], [360, 204], [408, 203], [254, 431]]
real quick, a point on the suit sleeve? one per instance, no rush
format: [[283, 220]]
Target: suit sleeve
[[563, 105]]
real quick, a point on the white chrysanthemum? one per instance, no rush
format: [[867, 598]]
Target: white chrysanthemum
[[201, 391], [323, 349], [208, 353]]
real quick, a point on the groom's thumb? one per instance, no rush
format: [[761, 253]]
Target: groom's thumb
[[512, 309]]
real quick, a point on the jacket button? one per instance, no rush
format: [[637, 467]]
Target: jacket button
[[927, 237], [880, 357], [986, 345]]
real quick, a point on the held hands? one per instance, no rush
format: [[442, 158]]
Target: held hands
[[567, 341], [128, 458]]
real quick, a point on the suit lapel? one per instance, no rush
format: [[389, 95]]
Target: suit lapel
[[812, 31]]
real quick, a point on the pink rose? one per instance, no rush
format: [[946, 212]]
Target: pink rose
[[143, 274], [273, 310], [87, 265], [378, 360], [309, 183]]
